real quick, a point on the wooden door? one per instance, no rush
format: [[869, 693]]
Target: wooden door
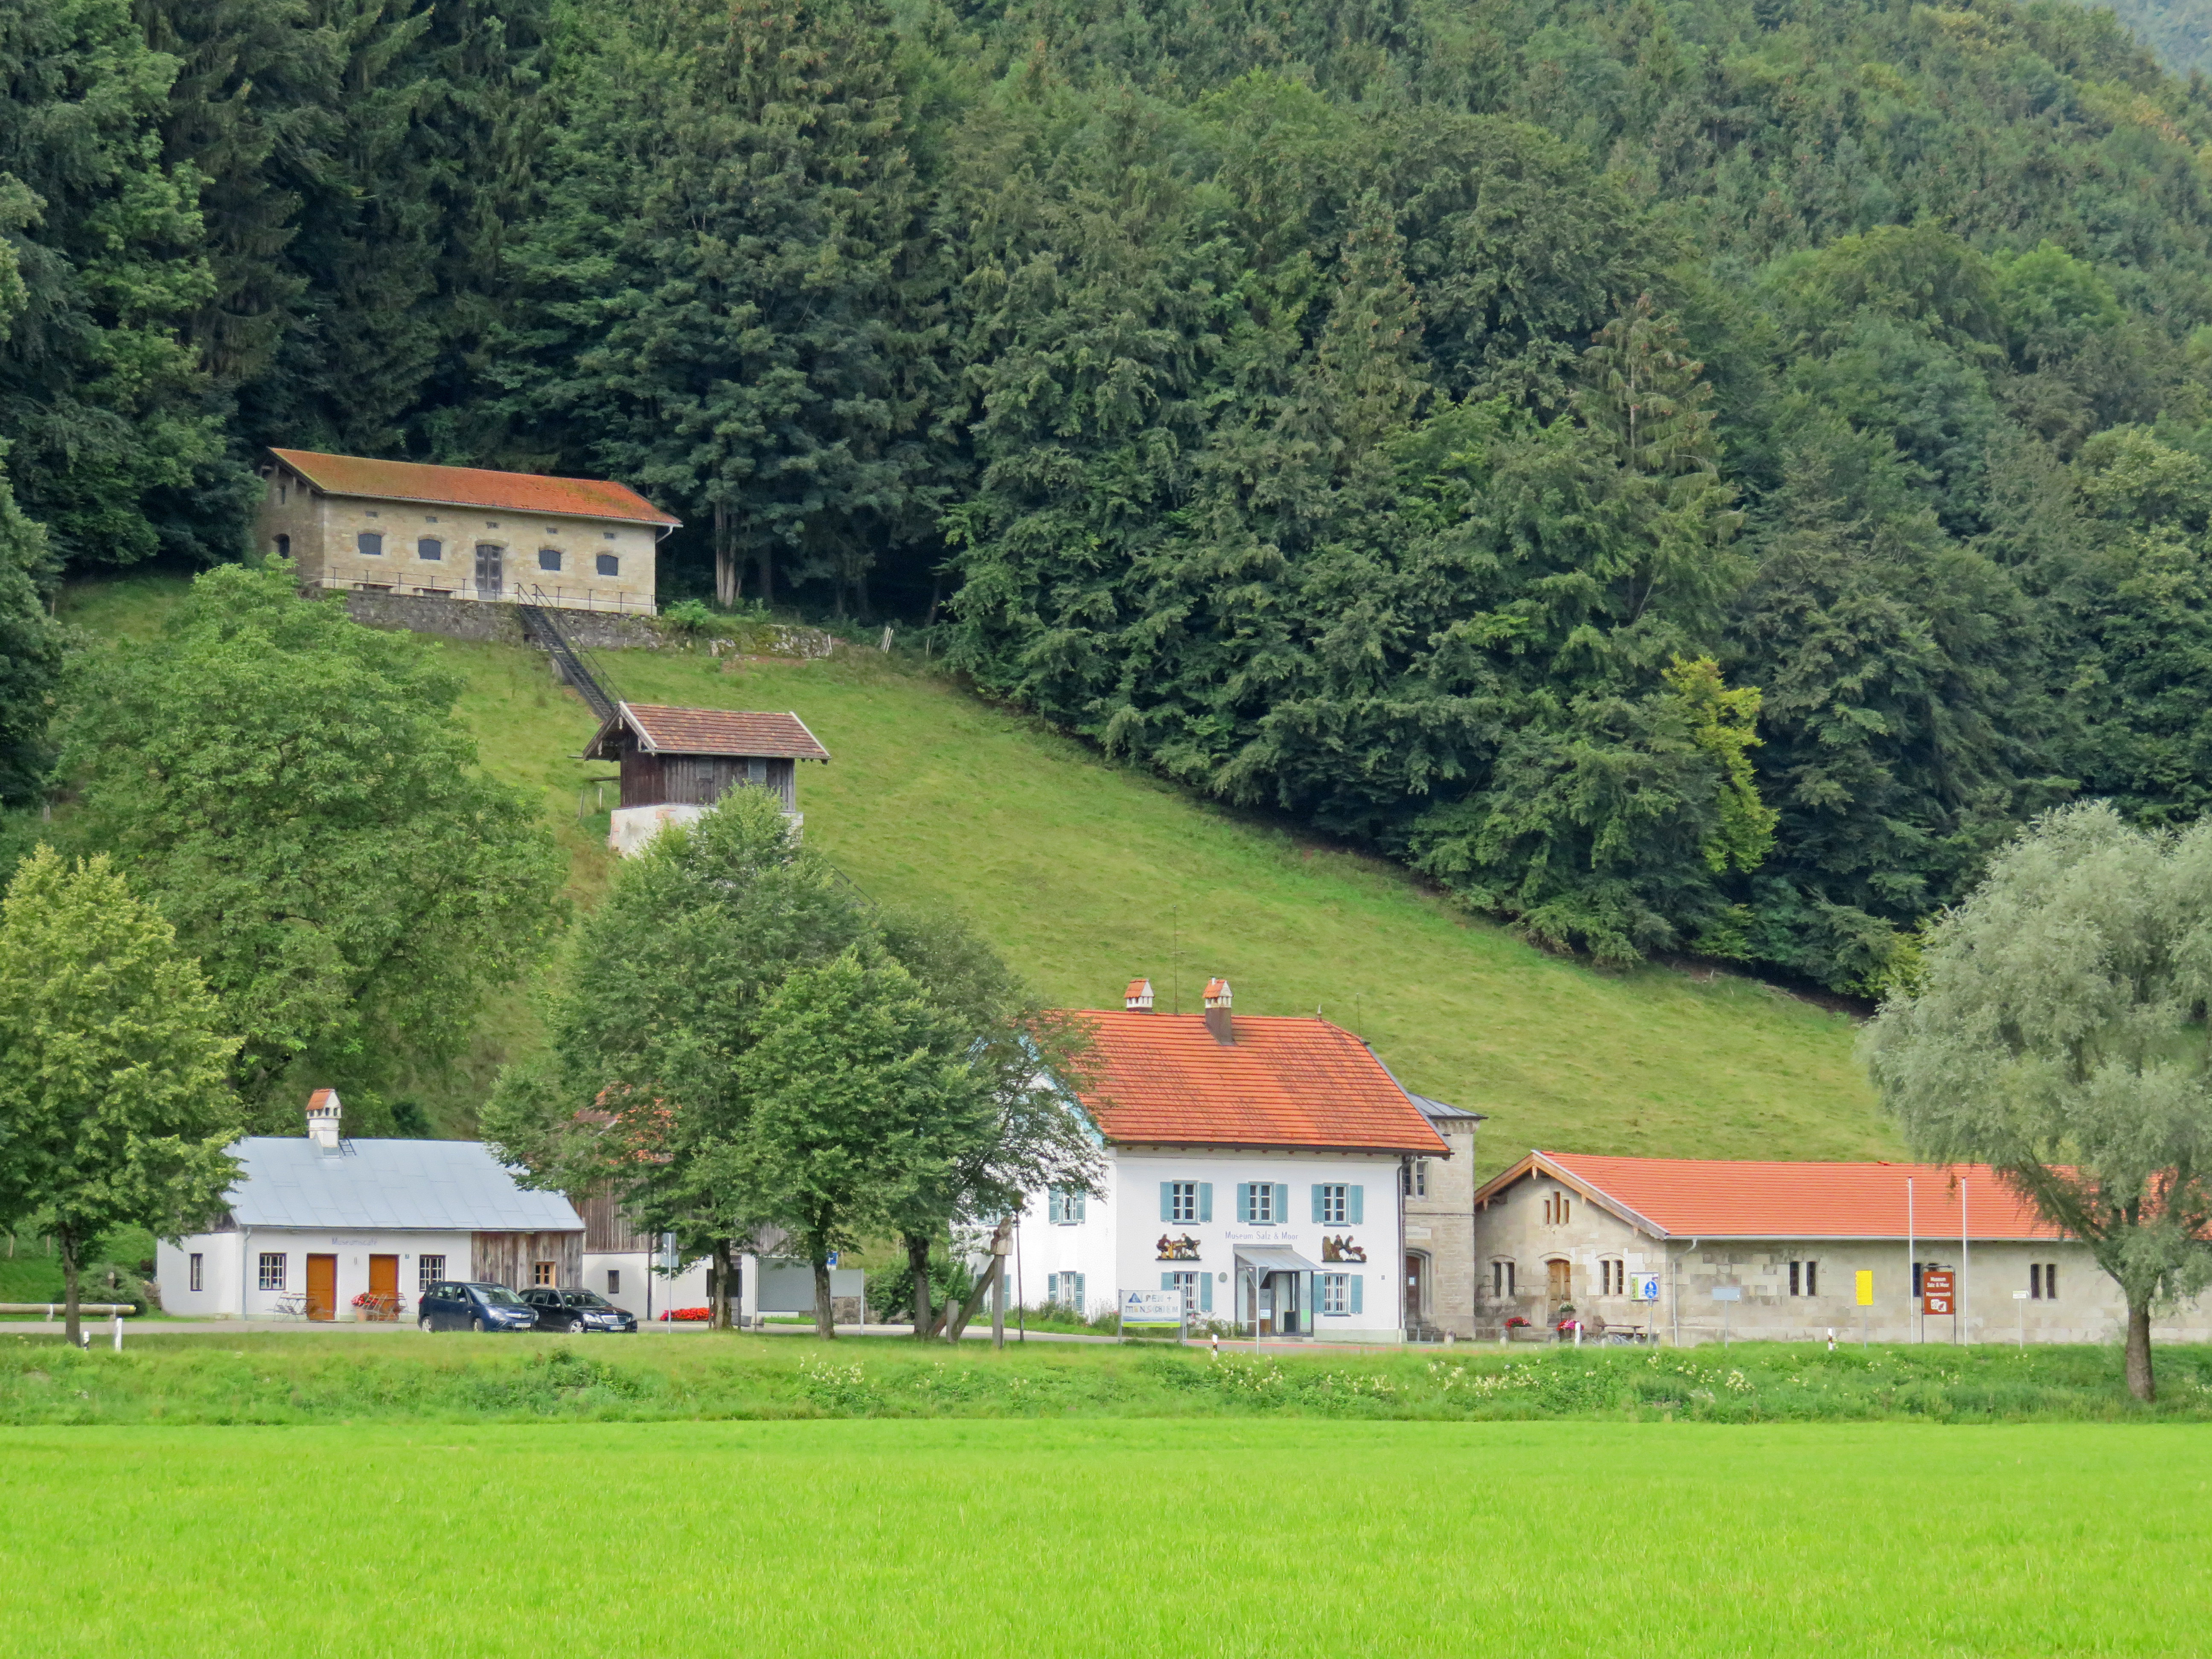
[[1416, 1300], [489, 579], [322, 1287], [1558, 1282], [383, 1285]]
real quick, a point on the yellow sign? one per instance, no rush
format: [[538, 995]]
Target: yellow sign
[[1866, 1287]]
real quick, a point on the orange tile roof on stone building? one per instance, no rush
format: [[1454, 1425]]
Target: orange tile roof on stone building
[[663, 729], [469, 486], [1717, 1197], [1163, 1079]]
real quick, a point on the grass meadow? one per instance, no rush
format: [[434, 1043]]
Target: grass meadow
[[1083, 872], [1262, 1538]]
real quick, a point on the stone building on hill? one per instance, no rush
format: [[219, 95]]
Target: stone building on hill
[[1679, 1247], [461, 534]]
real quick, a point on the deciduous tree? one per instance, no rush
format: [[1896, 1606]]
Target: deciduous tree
[[2061, 1030], [115, 1108]]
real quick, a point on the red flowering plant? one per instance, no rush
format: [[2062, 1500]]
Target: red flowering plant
[[697, 1313], [1516, 1320]]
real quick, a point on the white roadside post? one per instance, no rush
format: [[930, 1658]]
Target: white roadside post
[[119, 1332]]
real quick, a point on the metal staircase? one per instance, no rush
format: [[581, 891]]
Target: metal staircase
[[540, 628]]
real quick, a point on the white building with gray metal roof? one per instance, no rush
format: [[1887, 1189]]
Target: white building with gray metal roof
[[323, 1227]]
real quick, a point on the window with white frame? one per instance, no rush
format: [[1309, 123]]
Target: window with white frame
[[429, 1269], [1330, 1196], [1188, 1284], [1263, 1203], [199, 1275], [1065, 1290], [2043, 1281], [1063, 1209], [1804, 1278], [1335, 1294], [1182, 1201], [1613, 1278], [1501, 1279], [273, 1270], [1413, 1178]]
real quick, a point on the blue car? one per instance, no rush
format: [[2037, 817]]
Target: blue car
[[465, 1307]]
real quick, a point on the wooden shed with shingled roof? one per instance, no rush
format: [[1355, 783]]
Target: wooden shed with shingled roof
[[679, 762]]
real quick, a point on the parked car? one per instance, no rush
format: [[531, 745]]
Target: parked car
[[465, 1307], [577, 1310]]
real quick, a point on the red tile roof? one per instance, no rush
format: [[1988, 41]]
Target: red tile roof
[[1162, 1079], [1713, 1197], [469, 486], [666, 730]]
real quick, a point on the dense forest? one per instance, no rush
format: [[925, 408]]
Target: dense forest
[[1688, 476]]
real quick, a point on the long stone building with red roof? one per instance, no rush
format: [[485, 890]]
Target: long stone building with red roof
[[1256, 1164], [461, 533], [1688, 1250]]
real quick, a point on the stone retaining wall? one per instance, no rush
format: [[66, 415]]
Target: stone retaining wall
[[594, 630]]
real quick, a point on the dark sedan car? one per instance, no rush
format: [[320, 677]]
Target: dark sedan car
[[577, 1310], [465, 1307]]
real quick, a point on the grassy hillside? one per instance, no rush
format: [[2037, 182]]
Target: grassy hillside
[[1085, 874]]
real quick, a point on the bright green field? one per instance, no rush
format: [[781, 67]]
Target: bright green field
[[1265, 1539], [1085, 874]]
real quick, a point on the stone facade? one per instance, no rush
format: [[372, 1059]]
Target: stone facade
[[431, 549], [1542, 1244], [1440, 1247], [465, 619]]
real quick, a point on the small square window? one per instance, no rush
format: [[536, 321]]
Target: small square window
[[429, 1269], [541, 1272], [199, 1276], [372, 513], [273, 1270], [429, 518], [371, 542], [549, 558], [491, 524], [614, 1281], [609, 534], [611, 564]]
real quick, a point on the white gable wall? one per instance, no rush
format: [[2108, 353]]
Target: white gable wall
[[1116, 1246]]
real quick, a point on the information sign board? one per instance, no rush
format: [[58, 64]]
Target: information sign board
[[1937, 1285], [1643, 1287], [1866, 1287], [1151, 1313], [1727, 1292]]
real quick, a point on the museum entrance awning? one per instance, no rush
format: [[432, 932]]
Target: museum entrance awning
[[1263, 1260]]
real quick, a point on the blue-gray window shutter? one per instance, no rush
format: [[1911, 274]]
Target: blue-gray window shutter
[[1244, 1201], [1352, 1279], [1320, 1214], [1167, 1281], [1081, 1207], [1081, 1306], [1352, 1205], [1167, 1200], [1205, 1213], [1282, 1204], [1206, 1293]]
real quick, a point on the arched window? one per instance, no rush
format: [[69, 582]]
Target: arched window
[[549, 558], [430, 548], [371, 542]]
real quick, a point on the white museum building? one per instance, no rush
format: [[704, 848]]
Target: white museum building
[[1256, 1164]]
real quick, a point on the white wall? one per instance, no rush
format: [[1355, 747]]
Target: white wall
[[1116, 1246], [687, 1289], [231, 1266]]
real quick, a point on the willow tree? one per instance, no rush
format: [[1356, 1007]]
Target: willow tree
[[2058, 1032]]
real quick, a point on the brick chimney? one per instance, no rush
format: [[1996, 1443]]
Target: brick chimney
[[1138, 999], [1217, 1011], [323, 1119]]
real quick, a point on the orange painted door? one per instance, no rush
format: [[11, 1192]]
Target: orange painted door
[[322, 1287], [384, 1283]]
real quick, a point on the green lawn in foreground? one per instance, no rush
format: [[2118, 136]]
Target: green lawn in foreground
[[1085, 873], [991, 1539]]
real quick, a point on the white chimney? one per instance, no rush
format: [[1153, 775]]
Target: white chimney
[[323, 1119], [1138, 999], [1217, 1011]]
